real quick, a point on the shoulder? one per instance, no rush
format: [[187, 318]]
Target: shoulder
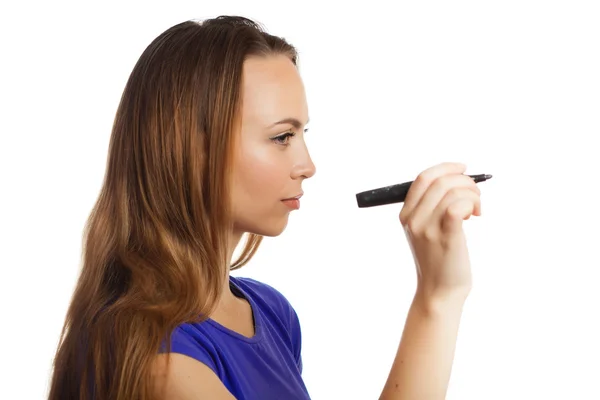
[[194, 341], [260, 288], [278, 310], [267, 296]]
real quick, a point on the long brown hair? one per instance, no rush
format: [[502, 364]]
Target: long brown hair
[[157, 240]]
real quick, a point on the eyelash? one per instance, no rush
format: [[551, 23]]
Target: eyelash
[[284, 136]]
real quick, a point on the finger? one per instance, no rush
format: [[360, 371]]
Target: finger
[[435, 195], [457, 206], [455, 215], [422, 182]]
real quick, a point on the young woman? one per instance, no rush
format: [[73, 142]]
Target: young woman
[[208, 147]]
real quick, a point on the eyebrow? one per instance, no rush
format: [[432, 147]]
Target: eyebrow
[[293, 121]]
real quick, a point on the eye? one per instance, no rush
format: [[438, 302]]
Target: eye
[[283, 138]]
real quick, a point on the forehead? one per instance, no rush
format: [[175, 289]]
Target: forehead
[[272, 89]]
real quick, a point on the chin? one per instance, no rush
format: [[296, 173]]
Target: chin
[[271, 228]]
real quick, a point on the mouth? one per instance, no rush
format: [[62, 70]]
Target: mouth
[[293, 202], [295, 197]]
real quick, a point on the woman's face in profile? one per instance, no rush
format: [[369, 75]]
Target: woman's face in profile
[[271, 160]]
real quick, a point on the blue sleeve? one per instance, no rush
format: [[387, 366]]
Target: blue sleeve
[[293, 323], [284, 310], [187, 342], [296, 333]]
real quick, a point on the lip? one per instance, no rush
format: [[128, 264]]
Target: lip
[[295, 197]]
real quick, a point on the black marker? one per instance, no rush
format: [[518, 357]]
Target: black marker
[[395, 193]]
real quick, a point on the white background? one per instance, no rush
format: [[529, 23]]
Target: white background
[[510, 88]]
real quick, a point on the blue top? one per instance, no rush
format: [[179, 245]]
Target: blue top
[[265, 366]]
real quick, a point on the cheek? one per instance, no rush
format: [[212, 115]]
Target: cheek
[[260, 176]]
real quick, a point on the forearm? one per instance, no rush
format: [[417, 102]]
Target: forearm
[[423, 363]]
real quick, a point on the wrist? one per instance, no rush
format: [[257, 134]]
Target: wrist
[[440, 301]]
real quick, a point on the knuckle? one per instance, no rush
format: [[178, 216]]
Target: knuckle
[[441, 184], [425, 178], [453, 212], [421, 182], [403, 218], [413, 227], [429, 234], [458, 192]]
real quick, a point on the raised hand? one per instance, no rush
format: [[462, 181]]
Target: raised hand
[[438, 201]]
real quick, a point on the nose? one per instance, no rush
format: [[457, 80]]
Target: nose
[[304, 167]]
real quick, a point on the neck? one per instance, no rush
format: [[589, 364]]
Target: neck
[[227, 296]]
